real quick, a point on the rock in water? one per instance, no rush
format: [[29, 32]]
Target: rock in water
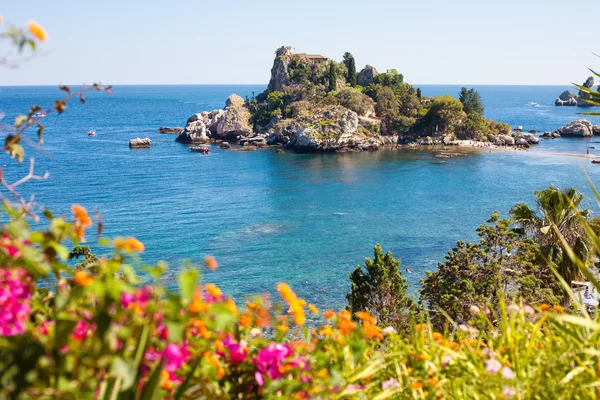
[[566, 98], [235, 120], [139, 143], [589, 83], [279, 71], [579, 128], [195, 130], [366, 76], [170, 131]]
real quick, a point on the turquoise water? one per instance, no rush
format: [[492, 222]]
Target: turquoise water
[[302, 218]]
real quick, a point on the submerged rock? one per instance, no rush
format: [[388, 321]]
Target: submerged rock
[[578, 128], [170, 131]]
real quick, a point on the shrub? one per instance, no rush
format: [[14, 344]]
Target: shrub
[[355, 100]]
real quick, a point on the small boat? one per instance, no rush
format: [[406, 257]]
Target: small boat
[[596, 161], [92, 133], [200, 149]]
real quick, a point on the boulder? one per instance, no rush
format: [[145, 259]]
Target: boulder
[[225, 145], [530, 138], [279, 71], [589, 83], [566, 98], [578, 128], [195, 130], [504, 140], [521, 142], [235, 120], [366, 76], [596, 130], [550, 135], [259, 140], [140, 143]]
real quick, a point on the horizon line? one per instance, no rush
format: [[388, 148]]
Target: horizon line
[[266, 84]]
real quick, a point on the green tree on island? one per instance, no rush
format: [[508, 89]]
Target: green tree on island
[[381, 291], [471, 101], [332, 77], [351, 66]]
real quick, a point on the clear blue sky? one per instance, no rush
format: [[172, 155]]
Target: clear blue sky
[[199, 42]]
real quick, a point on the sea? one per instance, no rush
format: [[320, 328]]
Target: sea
[[305, 219]]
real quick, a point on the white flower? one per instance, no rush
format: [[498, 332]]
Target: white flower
[[255, 332], [508, 393], [446, 360], [463, 327], [492, 366], [528, 310], [388, 331], [474, 309], [513, 309], [391, 383], [508, 373]]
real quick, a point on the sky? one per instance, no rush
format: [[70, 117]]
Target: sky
[[521, 42]]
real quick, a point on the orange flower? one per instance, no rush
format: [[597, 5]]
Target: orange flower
[[313, 309], [416, 385], [200, 327], [245, 320], [346, 326], [432, 381], [283, 328], [544, 307], [221, 372], [296, 305], [230, 304], [422, 357], [329, 314], [372, 331], [326, 331], [129, 244], [421, 327], [437, 336], [211, 263], [365, 317], [558, 308], [83, 278], [213, 290], [81, 215], [37, 31]]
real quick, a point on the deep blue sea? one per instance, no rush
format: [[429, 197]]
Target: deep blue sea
[[307, 219]]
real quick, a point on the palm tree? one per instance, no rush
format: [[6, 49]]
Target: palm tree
[[557, 209]]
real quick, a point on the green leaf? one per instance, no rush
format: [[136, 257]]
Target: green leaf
[[64, 327], [151, 390], [187, 284], [125, 370]]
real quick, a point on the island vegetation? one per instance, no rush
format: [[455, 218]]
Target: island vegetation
[[313, 103], [498, 319]]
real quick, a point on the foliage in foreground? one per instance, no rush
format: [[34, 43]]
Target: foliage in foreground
[[94, 332]]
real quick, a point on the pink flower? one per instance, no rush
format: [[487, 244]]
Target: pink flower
[[138, 300], [269, 360], [15, 294], [238, 352], [127, 299], [81, 330]]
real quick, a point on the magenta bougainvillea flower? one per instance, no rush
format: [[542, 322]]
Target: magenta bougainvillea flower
[[269, 361], [15, 295], [236, 352]]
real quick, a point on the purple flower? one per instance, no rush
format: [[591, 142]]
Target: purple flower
[[391, 383], [269, 360]]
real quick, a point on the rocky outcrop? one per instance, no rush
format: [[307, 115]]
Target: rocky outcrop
[[579, 128], [366, 76], [589, 83], [566, 98], [279, 71], [235, 120], [527, 137], [504, 140], [333, 128], [596, 130], [170, 131], [140, 143], [195, 131], [550, 135]]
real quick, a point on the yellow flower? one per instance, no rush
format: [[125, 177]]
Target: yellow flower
[[416, 385], [313, 309], [211, 263], [437, 336], [296, 305], [283, 328], [213, 290], [421, 327], [558, 309], [83, 278], [37, 31], [129, 244], [326, 331]]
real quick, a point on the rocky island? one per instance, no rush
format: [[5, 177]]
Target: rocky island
[[567, 98], [315, 104]]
